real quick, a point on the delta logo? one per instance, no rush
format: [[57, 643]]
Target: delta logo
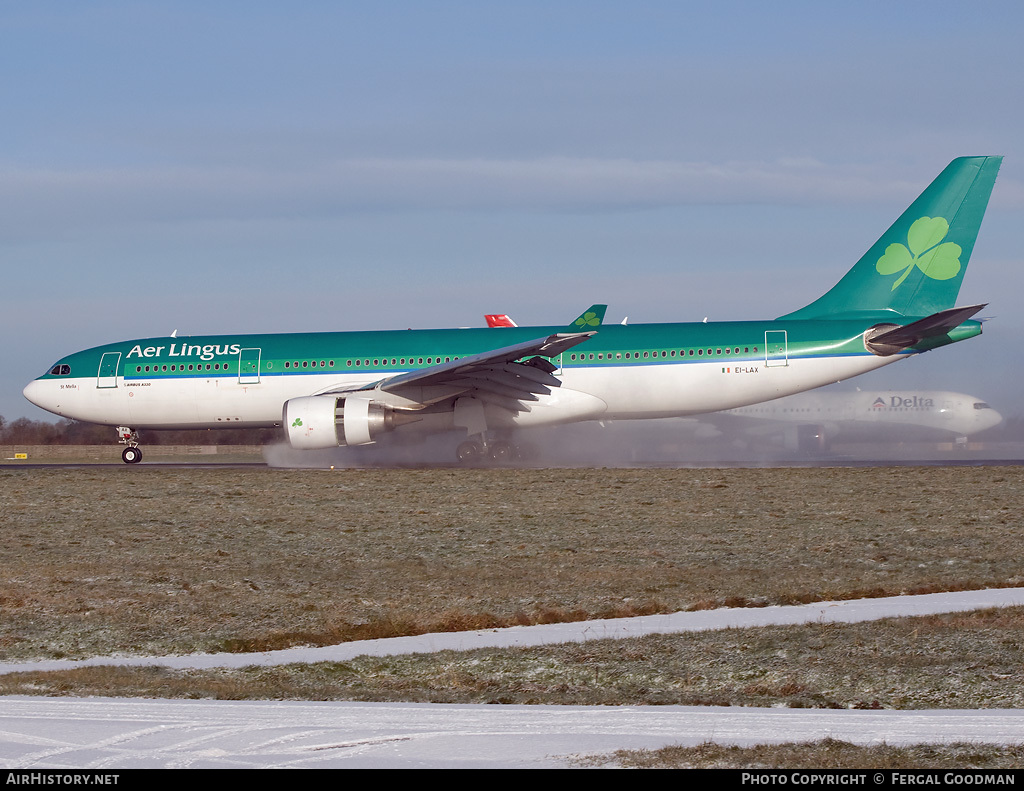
[[903, 402]]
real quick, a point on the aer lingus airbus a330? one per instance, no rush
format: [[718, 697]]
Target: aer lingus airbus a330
[[350, 388]]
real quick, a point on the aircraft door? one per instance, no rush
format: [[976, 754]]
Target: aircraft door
[[776, 349], [249, 366], [107, 375]]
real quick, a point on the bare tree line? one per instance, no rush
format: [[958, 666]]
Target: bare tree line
[[24, 431]]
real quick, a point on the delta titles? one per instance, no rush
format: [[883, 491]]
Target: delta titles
[[904, 402], [206, 352]]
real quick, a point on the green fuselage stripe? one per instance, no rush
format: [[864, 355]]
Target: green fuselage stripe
[[405, 350]]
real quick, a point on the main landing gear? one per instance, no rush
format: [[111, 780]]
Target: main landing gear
[[480, 449], [130, 437]]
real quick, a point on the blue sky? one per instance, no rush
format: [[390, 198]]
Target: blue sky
[[248, 167]]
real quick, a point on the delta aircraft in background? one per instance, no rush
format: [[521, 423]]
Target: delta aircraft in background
[[811, 421], [349, 388]]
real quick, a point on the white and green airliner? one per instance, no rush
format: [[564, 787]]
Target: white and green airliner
[[350, 388]]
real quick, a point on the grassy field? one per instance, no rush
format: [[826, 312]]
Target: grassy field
[[833, 753], [961, 660], [149, 561], [98, 561]]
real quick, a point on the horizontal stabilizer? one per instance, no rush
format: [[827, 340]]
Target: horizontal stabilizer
[[889, 341]]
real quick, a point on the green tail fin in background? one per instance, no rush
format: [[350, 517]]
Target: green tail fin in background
[[916, 267], [589, 319]]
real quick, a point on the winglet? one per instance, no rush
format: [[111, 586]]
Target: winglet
[[588, 319]]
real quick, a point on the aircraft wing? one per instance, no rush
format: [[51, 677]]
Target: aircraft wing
[[501, 376], [495, 376], [481, 367]]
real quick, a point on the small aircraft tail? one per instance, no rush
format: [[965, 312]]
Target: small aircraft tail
[[499, 320], [916, 267], [591, 317]]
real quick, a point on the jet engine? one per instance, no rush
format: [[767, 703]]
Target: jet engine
[[327, 421]]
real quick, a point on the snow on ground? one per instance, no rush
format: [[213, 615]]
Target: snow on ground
[[115, 733], [119, 733], [581, 631]]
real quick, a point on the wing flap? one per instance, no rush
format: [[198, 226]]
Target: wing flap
[[496, 376], [445, 373]]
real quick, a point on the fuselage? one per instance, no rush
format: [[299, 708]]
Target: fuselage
[[624, 372]]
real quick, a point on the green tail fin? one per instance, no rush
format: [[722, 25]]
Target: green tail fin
[[588, 319], [916, 267]]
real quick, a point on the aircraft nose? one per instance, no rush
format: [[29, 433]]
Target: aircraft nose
[[40, 393], [992, 419]]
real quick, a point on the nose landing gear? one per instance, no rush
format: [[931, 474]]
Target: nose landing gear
[[130, 437]]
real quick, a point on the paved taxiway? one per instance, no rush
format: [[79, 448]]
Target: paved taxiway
[[119, 733]]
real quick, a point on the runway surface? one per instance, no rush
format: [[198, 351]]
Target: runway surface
[[117, 733], [120, 733]]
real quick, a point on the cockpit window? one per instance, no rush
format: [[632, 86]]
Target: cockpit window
[[981, 405], [60, 370]]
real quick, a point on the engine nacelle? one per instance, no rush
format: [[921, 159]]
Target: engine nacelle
[[327, 421]]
